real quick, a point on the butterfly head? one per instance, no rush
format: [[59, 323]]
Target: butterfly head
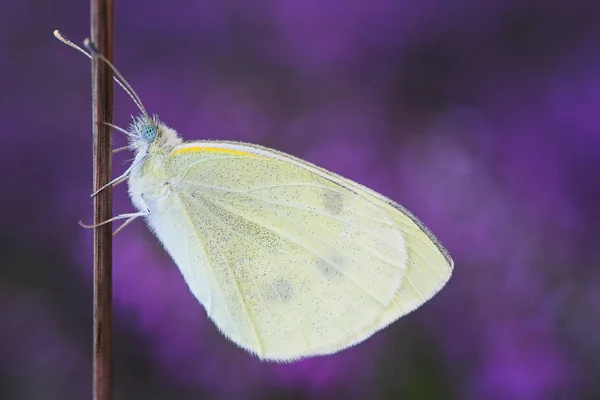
[[148, 131], [145, 130]]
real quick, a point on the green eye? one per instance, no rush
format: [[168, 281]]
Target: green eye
[[149, 132]]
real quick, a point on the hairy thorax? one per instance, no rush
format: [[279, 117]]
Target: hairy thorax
[[149, 185]]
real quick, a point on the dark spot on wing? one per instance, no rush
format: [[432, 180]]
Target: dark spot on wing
[[333, 202], [284, 289]]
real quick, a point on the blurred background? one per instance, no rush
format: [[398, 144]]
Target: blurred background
[[480, 117]]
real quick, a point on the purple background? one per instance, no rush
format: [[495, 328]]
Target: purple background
[[480, 117]]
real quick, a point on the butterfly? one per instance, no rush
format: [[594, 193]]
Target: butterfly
[[288, 259]]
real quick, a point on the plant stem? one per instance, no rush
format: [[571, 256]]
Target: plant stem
[[102, 35]]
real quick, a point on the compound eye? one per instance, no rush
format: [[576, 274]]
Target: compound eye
[[149, 132]]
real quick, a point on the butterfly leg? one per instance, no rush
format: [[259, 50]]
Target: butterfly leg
[[121, 149], [123, 131], [130, 218], [116, 181]]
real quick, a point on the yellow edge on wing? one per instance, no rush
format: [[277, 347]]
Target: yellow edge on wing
[[195, 149]]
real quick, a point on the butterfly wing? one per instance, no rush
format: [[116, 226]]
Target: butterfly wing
[[291, 260]]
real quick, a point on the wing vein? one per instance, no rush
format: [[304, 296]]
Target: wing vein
[[249, 270], [345, 253], [311, 210], [213, 274], [298, 244], [245, 306]]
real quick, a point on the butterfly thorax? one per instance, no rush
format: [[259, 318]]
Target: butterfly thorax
[[149, 185]]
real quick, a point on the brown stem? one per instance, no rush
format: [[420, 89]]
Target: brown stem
[[102, 35]]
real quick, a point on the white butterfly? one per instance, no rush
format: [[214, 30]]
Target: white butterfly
[[289, 260]]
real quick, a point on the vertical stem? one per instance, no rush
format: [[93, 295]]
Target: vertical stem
[[102, 36]]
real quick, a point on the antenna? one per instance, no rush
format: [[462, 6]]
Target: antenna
[[118, 78]]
